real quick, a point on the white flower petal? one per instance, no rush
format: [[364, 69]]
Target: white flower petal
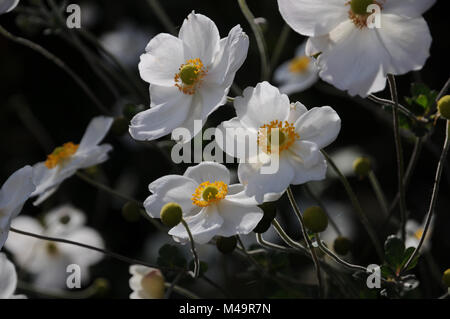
[[200, 37], [16, 190], [261, 105], [296, 110], [95, 133], [213, 96], [408, 8], [95, 156], [171, 188], [8, 278], [8, 5], [354, 60], [259, 184], [54, 219], [407, 42], [320, 125], [306, 153], [237, 139], [203, 226], [208, 172], [305, 174], [313, 17], [238, 218], [162, 60], [169, 110]]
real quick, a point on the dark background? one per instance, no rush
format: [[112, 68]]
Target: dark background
[[33, 89]]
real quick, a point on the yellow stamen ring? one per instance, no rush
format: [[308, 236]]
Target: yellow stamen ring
[[299, 64], [61, 154], [286, 136], [190, 76], [207, 193]]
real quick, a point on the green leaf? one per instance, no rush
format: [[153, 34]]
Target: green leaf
[[406, 255], [393, 251], [422, 100]]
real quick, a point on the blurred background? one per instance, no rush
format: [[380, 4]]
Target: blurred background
[[41, 108]]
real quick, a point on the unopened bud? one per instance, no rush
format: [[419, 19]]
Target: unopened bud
[[315, 219], [171, 214]]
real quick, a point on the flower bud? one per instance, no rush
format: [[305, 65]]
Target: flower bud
[[153, 284], [120, 126], [131, 211], [171, 214], [226, 245], [341, 245], [315, 219], [446, 278], [444, 107], [362, 166]]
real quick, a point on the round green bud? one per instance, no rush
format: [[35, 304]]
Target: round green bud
[[360, 6], [446, 278], [171, 214], [210, 192], [342, 245], [130, 110], [444, 107], [270, 211], [315, 219], [188, 74], [131, 211], [226, 245], [362, 166], [120, 126]]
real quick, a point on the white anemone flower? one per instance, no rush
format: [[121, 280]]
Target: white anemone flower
[[8, 5], [211, 207], [8, 279], [414, 232], [297, 74], [189, 75], [47, 261], [355, 55], [67, 159], [146, 283], [294, 156], [13, 195]]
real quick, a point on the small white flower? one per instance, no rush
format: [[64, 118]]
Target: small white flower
[[189, 76], [414, 232], [353, 56], [8, 5], [8, 279], [13, 195], [298, 74], [146, 283], [262, 112], [48, 261], [67, 159], [210, 205]]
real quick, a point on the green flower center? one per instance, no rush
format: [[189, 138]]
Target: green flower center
[[189, 74], [210, 192], [360, 6]]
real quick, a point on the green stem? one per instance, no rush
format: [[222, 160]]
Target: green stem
[[356, 205], [400, 107], [173, 284], [434, 194], [399, 151], [182, 291], [379, 193], [58, 62], [194, 251], [260, 41], [279, 46], [162, 16], [307, 239], [288, 240]]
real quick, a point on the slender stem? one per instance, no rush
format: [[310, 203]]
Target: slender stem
[[356, 205], [162, 16], [321, 204], [434, 194], [266, 244], [288, 240], [381, 197], [100, 250], [260, 41], [173, 284], [399, 151], [336, 258], [182, 291], [401, 108], [279, 46], [307, 239], [194, 251], [58, 62]]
